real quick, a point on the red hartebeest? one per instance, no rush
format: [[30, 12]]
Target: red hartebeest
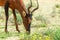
[[19, 5]]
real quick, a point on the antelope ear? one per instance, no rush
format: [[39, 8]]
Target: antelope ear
[[24, 14]]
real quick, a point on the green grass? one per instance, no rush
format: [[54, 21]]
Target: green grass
[[56, 34], [5, 35], [47, 34]]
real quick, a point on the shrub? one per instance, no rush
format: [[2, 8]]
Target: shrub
[[19, 19], [56, 11]]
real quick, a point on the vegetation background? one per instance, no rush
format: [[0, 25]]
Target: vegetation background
[[45, 24]]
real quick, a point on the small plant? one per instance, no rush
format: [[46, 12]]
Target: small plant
[[43, 22], [43, 25], [48, 31], [57, 5]]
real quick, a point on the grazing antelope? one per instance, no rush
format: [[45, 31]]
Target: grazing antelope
[[5, 3], [19, 5]]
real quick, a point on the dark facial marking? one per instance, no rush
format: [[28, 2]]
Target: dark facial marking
[[29, 15]]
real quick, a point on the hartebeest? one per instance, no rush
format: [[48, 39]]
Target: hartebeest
[[19, 5]]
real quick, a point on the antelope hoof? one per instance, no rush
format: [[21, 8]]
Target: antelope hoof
[[18, 31], [28, 32], [6, 31]]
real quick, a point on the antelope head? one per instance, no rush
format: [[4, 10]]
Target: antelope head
[[28, 17]]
